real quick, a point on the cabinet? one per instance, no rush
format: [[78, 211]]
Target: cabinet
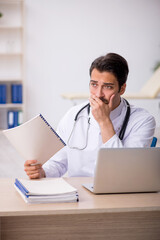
[[11, 62]]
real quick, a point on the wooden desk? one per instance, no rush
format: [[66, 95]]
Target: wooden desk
[[110, 216]]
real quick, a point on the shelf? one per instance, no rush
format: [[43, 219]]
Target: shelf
[[11, 105], [11, 57], [10, 27], [9, 79], [11, 1], [10, 54]]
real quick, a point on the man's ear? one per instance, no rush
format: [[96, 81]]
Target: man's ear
[[123, 88]]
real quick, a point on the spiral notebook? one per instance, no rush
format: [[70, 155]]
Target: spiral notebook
[[35, 139]]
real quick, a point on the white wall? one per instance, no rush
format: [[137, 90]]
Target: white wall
[[63, 37]]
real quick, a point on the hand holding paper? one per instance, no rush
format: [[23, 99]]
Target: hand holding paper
[[33, 170]]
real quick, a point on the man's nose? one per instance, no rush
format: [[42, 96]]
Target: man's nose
[[99, 92]]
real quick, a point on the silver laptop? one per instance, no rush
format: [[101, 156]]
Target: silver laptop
[[121, 170]]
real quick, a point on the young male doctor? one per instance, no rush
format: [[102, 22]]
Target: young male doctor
[[107, 121]]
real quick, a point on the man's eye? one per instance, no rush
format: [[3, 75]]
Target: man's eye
[[93, 84], [108, 87]]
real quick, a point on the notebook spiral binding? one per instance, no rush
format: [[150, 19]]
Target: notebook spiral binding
[[52, 129]]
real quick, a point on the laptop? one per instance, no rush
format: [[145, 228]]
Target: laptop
[[126, 170]]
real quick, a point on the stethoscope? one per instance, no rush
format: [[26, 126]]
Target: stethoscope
[[121, 134]]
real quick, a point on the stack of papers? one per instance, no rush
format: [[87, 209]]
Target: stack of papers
[[46, 190]]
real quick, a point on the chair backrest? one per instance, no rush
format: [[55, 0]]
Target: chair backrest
[[154, 142], [152, 87]]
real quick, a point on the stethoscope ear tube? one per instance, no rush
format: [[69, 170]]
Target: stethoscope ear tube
[[124, 126], [87, 105]]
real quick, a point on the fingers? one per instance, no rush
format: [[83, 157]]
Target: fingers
[[29, 162], [32, 169], [101, 107], [34, 176], [95, 100], [111, 101]]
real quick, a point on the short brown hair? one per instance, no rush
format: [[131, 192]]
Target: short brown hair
[[113, 63]]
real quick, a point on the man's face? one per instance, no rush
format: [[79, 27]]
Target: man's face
[[103, 85]]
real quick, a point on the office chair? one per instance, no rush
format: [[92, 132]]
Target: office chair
[[154, 141]]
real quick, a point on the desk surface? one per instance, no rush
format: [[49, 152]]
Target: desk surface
[[11, 203]]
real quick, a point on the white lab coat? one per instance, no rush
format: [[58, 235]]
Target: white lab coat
[[139, 133]]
